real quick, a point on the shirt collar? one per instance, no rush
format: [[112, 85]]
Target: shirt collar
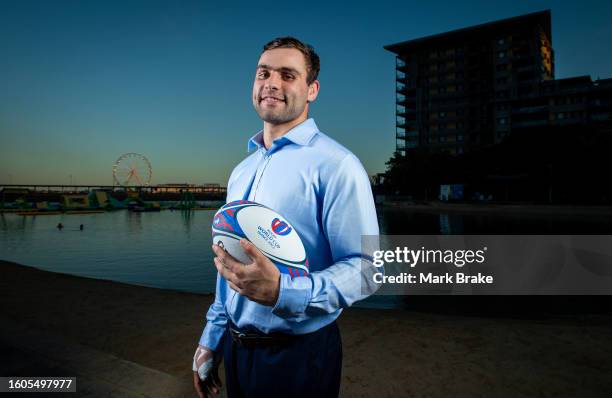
[[301, 134]]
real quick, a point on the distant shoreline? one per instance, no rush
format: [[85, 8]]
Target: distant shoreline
[[527, 209]]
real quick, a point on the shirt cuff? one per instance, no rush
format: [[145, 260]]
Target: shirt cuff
[[211, 336], [293, 296]]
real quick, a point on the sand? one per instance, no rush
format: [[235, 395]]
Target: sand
[[387, 353]]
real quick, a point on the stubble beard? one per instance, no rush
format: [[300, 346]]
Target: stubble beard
[[278, 116]]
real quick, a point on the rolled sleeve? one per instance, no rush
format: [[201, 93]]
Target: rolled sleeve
[[293, 296]]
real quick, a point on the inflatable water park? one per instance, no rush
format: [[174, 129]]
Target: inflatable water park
[[96, 201]]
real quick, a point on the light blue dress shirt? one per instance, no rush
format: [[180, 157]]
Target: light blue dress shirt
[[321, 188]]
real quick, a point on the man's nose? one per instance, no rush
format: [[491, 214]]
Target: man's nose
[[273, 81]]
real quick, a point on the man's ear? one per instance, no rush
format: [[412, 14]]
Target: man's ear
[[313, 91]]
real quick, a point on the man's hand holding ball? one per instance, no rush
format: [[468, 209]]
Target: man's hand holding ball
[[259, 280]]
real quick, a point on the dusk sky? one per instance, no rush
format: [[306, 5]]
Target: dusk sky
[[82, 82]]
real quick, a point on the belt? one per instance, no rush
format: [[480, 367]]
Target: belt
[[251, 340]]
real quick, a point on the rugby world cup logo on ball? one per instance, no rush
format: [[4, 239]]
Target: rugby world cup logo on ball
[[271, 233], [280, 227]]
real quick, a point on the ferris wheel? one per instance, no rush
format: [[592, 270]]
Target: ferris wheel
[[132, 169]]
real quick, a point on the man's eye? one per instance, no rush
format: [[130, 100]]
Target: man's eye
[[262, 74], [288, 76]]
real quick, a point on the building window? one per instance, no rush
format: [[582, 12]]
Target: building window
[[442, 114], [501, 94], [501, 41], [502, 120], [501, 54], [460, 137], [442, 138]]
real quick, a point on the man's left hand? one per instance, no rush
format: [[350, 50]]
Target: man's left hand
[[259, 281]]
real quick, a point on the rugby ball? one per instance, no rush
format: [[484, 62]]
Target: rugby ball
[[270, 232]]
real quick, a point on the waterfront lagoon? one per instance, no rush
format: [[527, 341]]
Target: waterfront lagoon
[[171, 249], [168, 249]]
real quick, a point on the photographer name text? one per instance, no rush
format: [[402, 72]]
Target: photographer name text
[[434, 279]]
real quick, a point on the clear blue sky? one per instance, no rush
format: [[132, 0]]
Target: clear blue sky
[[83, 81]]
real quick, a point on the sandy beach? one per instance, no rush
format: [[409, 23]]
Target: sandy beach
[[387, 353]]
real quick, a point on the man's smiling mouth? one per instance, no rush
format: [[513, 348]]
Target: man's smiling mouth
[[271, 99]]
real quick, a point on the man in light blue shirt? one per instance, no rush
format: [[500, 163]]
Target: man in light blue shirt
[[321, 188]]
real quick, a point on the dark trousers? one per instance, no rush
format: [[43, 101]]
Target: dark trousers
[[306, 366]]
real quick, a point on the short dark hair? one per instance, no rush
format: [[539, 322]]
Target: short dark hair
[[312, 59]]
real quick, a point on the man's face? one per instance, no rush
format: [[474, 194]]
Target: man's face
[[280, 90]]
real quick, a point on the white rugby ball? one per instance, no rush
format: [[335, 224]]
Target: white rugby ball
[[270, 232]]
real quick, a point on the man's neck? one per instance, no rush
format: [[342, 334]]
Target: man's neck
[[274, 131]]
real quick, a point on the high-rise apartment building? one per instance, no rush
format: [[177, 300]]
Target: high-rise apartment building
[[565, 102], [456, 91]]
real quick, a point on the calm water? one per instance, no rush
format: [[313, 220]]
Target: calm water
[[171, 249]]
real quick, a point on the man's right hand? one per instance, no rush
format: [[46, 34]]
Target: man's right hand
[[205, 372]]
